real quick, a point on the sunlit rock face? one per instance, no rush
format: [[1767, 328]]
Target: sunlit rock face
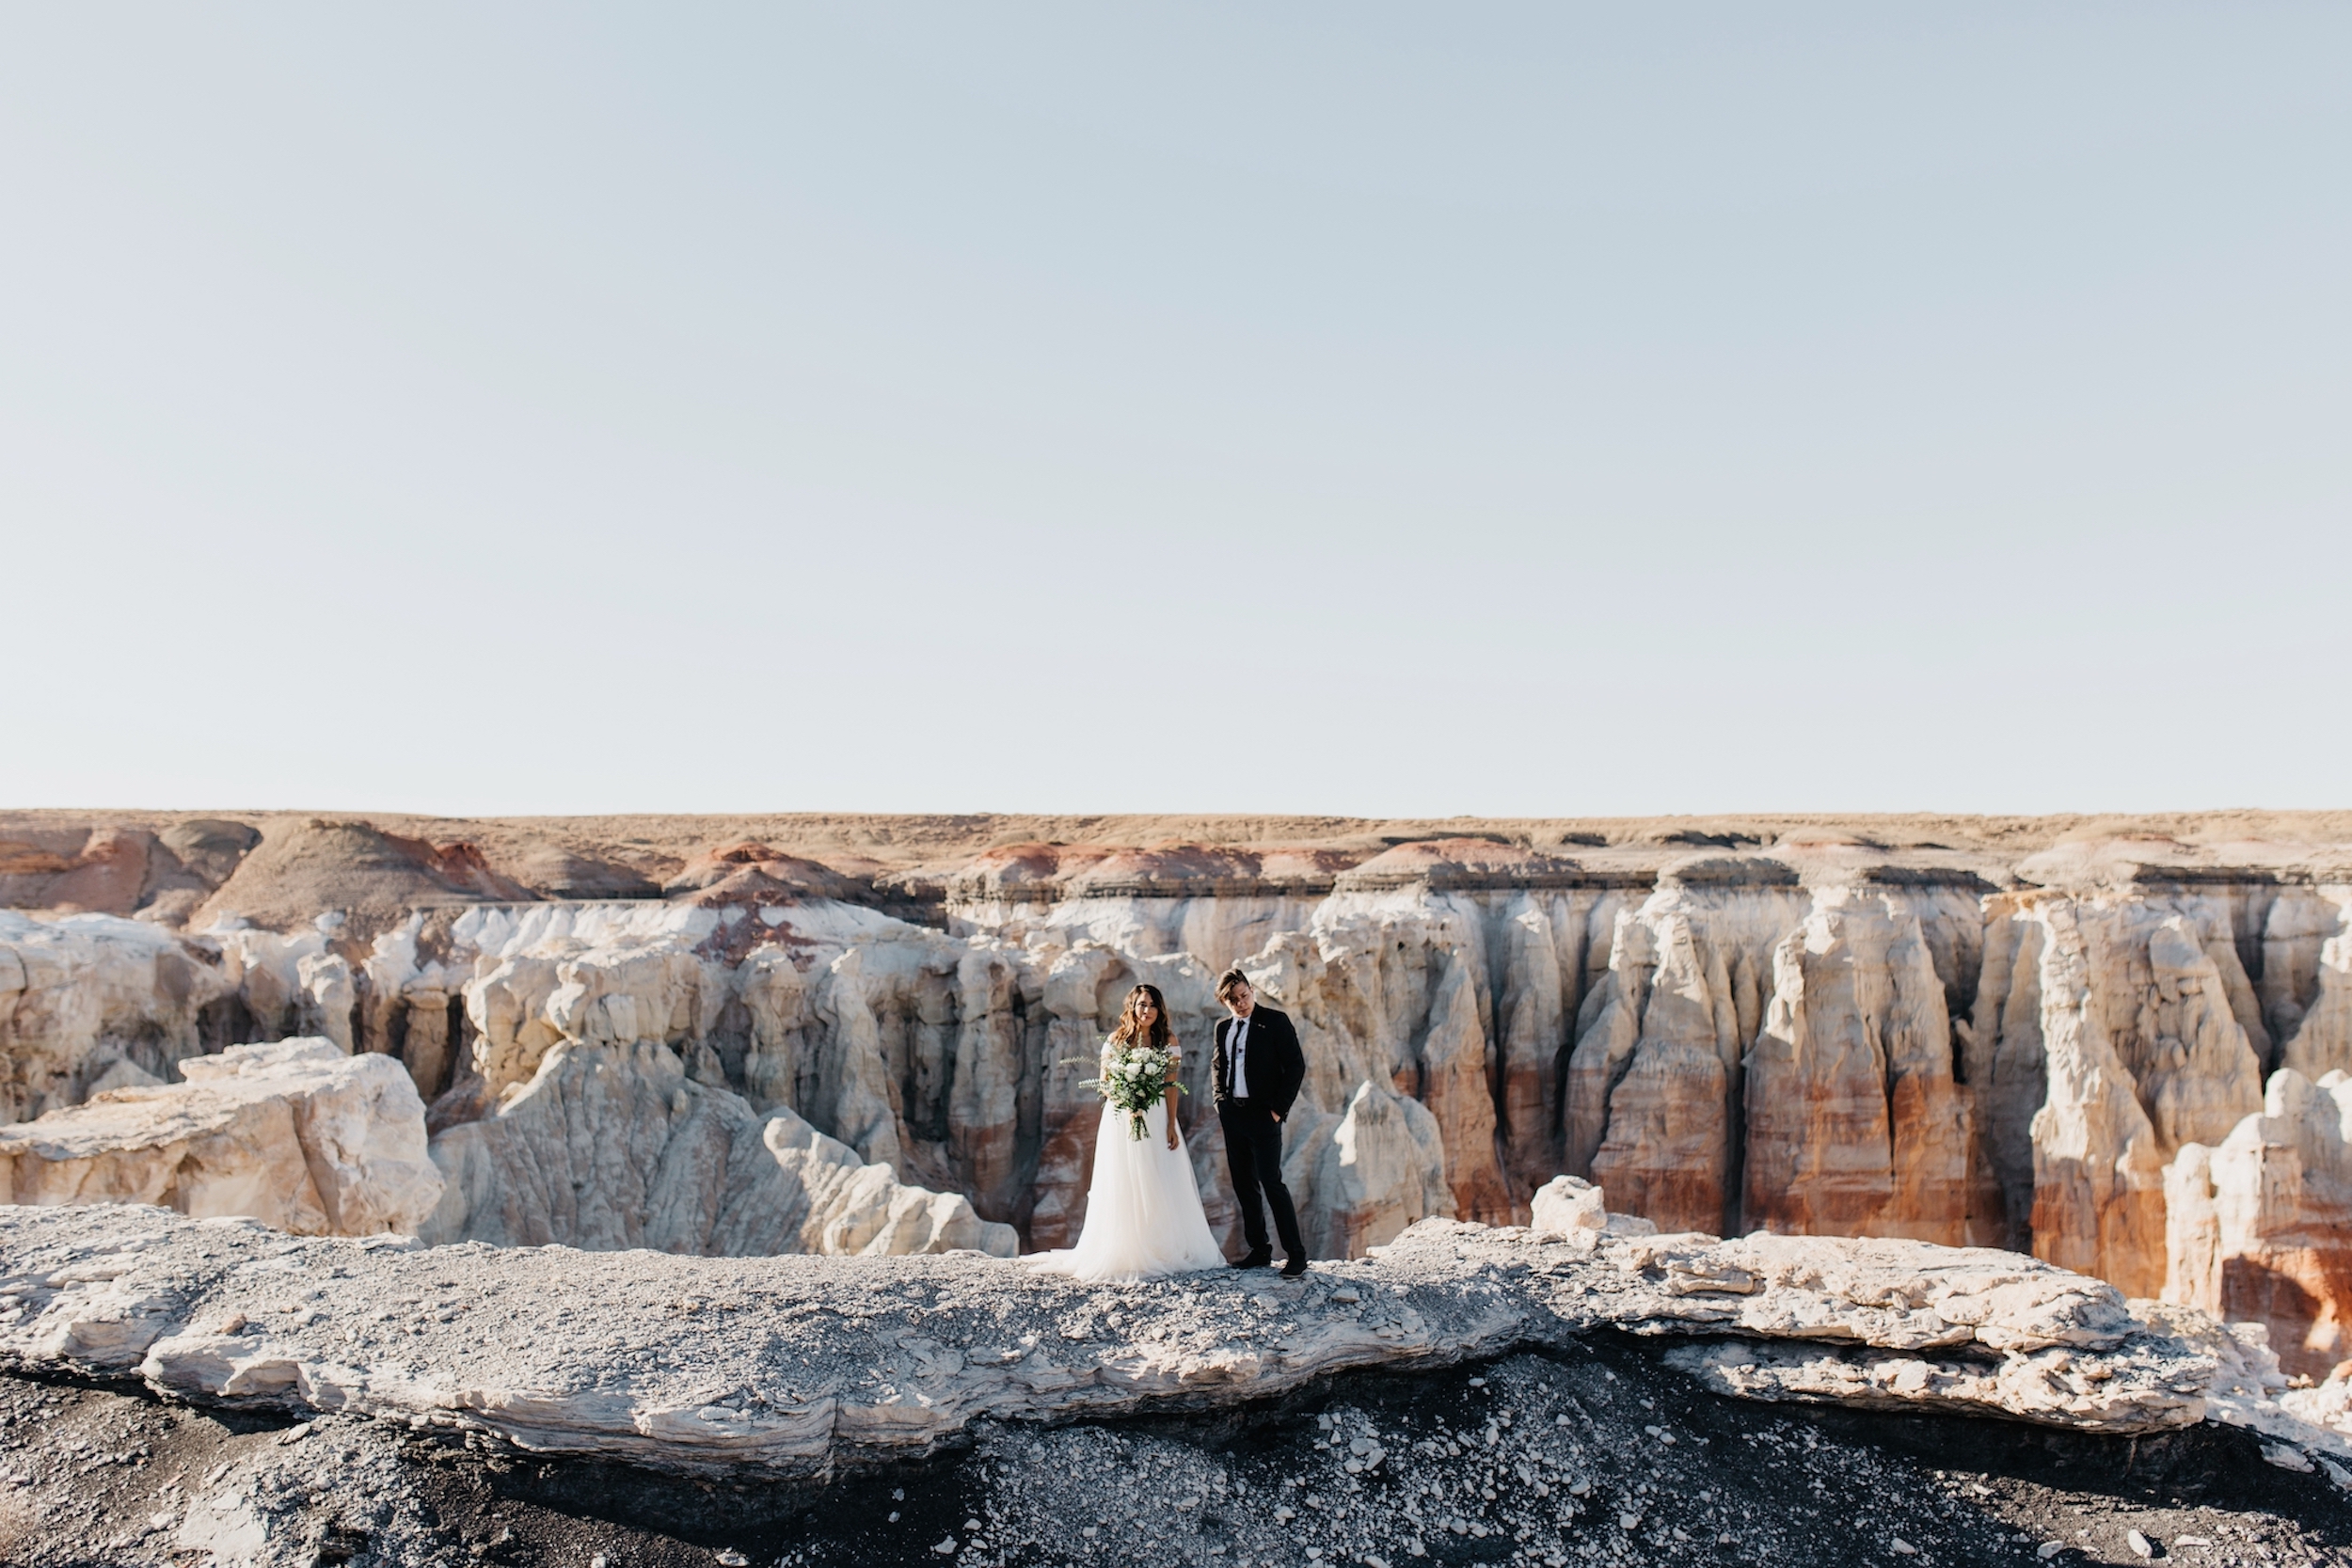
[[2122, 1036], [2018, 1067], [296, 1133], [611, 1147], [2307, 982], [1856, 1124], [1770, 1048], [952, 1064], [2117, 1035], [2260, 1227], [89, 995], [2079, 1049], [1454, 969], [2140, 1023]]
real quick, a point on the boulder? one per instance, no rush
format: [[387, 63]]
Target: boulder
[[1569, 1207], [2328, 1405], [293, 1133]]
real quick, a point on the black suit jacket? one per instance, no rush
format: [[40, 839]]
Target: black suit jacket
[[1276, 1066]]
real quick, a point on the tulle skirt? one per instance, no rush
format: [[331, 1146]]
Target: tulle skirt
[[1143, 1209]]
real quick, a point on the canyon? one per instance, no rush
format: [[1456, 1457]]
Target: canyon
[[2121, 1045]]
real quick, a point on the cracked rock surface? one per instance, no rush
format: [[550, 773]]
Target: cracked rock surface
[[803, 1366]]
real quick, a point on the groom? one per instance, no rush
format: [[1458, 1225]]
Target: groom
[[1258, 1067]]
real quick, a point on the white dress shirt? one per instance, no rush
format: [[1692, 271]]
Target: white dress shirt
[[1236, 1047]]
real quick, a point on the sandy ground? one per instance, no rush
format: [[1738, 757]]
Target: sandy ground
[[281, 869], [658, 845]]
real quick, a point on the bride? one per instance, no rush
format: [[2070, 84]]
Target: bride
[[1143, 1212]]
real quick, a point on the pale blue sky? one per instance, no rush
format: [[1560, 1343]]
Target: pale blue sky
[[1384, 409]]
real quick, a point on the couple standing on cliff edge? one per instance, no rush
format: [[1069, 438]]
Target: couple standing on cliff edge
[[1143, 1209]]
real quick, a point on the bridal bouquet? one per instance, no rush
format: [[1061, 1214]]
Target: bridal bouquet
[[1133, 1078]]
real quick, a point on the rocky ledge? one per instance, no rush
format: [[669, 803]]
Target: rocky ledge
[[803, 1366]]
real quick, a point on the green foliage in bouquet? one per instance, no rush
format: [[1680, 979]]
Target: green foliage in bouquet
[[1133, 1077]]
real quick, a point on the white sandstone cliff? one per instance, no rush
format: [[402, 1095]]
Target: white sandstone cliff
[[80, 994], [611, 1147], [2050, 1051]]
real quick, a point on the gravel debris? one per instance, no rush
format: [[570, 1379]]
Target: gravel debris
[[1252, 1487]]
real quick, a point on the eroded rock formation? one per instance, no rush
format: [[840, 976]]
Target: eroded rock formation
[[81, 994], [294, 1133], [2051, 1040], [612, 1145], [2257, 1227], [1854, 1122]]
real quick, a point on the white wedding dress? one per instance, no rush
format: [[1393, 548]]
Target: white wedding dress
[[1143, 1210]]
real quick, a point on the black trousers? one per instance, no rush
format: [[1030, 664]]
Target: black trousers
[[1253, 1153]]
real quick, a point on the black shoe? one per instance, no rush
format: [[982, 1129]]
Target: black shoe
[[1255, 1260], [1292, 1267]]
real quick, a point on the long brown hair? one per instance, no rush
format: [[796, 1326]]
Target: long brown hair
[[1162, 1037]]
